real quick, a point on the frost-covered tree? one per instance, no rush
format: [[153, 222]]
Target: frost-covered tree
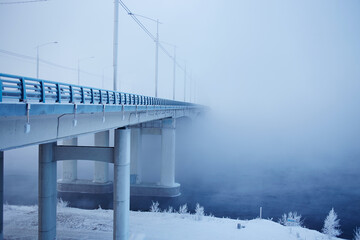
[[292, 219], [183, 209], [331, 225], [169, 210], [62, 204], [199, 212], [357, 234], [155, 207]]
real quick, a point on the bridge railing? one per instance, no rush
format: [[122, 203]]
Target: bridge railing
[[24, 89]]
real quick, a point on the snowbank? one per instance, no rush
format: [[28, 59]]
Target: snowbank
[[20, 222]]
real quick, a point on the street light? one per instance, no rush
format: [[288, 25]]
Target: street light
[[156, 49], [80, 60], [38, 58], [174, 67], [185, 83], [116, 45]]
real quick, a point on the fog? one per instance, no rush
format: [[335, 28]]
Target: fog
[[280, 78]]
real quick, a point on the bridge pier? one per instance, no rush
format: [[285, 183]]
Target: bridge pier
[[101, 169], [135, 162], [166, 186], [1, 195], [47, 192], [87, 193], [121, 184], [167, 177], [69, 172]]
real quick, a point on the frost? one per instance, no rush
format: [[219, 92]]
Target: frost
[[331, 225], [292, 219], [155, 207], [199, 212], [357, 234], [183, 209]]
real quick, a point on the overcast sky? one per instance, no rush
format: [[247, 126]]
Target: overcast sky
[[281, 66]]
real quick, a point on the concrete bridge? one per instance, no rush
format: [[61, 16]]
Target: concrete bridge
[[56, 115]]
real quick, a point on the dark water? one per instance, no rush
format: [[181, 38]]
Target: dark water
[[229, 182], [313, 203]]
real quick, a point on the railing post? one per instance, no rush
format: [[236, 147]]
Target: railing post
[[58, 93], [82, 95], [114, 97], [101, 99], [0, 90], [92, 95], [108, 97], [71, 94], [23, 90], [42, 99]]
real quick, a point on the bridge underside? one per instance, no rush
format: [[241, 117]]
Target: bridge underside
[[51, 122]]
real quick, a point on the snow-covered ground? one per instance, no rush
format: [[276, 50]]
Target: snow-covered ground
[[20, 222]]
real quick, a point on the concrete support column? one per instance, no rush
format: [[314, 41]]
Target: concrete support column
[[121, 184], [47, 192], [135, 162], [1, 195], [69, 173], [167, 177], [101, 169]]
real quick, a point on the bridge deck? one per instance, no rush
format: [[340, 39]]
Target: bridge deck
[[34, 111]]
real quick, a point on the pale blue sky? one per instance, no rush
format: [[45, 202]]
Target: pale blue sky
[[281, 62]]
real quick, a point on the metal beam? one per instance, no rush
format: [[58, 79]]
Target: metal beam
[[100, 154]]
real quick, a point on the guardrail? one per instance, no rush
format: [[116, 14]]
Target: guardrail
[[24, 89]]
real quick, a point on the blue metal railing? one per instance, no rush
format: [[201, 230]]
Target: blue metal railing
[[24, 89]]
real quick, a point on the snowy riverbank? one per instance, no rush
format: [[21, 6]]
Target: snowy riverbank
[[20, 222]]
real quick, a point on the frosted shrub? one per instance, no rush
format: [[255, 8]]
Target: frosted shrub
[[155, 207], [357, 234], [62, 204], [199, 212], [183, 209], [292, 219], [169, 210], [331, 225]]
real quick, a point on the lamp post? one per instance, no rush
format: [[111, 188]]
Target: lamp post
[[174, 67], [38, 58], [116, 44], [185, 83], [156, 49], [80, 60], [191, 83]]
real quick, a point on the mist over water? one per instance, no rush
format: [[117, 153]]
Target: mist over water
[[232, 174], [233, 171]]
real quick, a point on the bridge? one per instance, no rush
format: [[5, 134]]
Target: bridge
[[56, 115]]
